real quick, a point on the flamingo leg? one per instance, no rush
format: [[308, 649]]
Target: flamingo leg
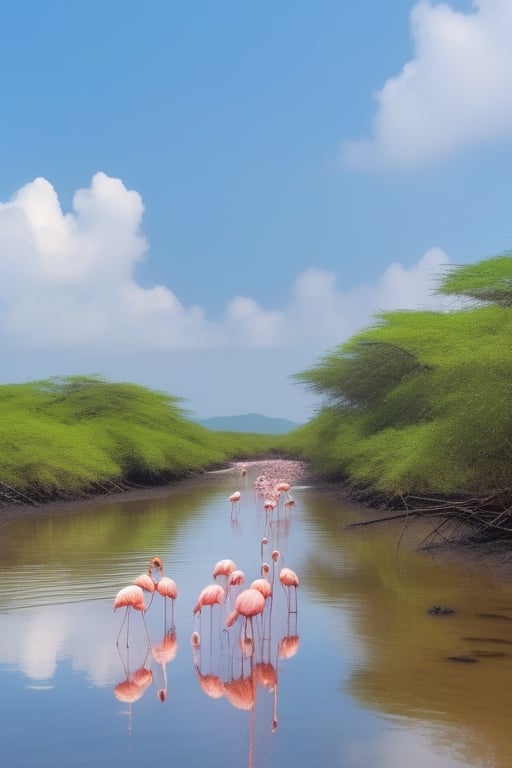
[[125, 617]]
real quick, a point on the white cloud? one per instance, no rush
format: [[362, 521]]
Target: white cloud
[[455, 93], [319, 310], [249, 325], [67, 283]]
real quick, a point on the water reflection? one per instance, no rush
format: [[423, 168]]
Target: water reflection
[[250, 629], [359, 673], [240, 652], [153, 582], [432, 636]]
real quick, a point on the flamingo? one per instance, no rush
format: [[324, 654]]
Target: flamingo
[[263, 586], [289, 579], [224, 568], [146, 582], [235, 498], [129, 597], [167, 588], [211, 595], [248, 603], [156, 564], [235, 504]]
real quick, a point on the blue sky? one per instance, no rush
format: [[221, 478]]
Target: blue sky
[[205, 198]]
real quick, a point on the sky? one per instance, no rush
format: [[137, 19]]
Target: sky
[[205, 198]]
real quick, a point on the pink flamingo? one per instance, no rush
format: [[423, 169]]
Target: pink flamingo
[[275, 557], [263, 586], [248, 604], [224, 568], [212, 594], [156, 564], [235, 579], [167, 588], [289, 579], [129, 597], [146, 582], [235, 502]]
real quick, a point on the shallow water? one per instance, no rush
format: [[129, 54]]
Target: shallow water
[[361, 675]]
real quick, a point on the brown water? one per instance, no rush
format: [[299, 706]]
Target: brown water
[[362, 675]]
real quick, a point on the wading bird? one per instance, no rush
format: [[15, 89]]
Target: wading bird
[[235, 497], [129, 597], [168, 589], [248, 604], [289, 579], [212, 594], [224, 568]]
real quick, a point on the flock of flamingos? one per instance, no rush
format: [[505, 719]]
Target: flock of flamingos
[[240, 648]]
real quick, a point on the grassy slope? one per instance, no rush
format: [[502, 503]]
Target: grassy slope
[[81, 434]]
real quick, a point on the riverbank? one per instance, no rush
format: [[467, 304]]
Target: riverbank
[[460, 542], [279, 468]]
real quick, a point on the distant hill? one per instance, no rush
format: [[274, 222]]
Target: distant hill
[[250, 422]]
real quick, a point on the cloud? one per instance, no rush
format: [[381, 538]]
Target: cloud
[[67, 283], [320, 310], [454, 94], [66, 280]]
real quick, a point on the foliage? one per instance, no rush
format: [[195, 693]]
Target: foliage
[[78, 434], [421, 401], [488, 281]]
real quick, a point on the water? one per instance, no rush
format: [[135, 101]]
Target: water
[[361, 675]]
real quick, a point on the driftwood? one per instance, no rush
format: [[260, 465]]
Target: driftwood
[[489, 514]]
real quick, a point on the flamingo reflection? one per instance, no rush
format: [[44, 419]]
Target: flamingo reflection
[[135, 683], [164, 652]]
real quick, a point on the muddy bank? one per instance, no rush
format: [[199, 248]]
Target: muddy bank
[[278, 468]]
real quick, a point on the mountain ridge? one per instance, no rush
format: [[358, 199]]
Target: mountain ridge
[[249, 422]]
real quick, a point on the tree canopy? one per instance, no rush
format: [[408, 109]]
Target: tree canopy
[[422, 401]]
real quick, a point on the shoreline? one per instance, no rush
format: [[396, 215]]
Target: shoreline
[[14, 510], [490, 555]]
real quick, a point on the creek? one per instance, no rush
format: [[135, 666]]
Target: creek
[[395, 656]]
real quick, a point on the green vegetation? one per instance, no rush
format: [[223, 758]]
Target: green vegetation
[[421, 402], [77, 435]]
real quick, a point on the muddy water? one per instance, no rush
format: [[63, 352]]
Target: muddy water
[[364, 673]]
